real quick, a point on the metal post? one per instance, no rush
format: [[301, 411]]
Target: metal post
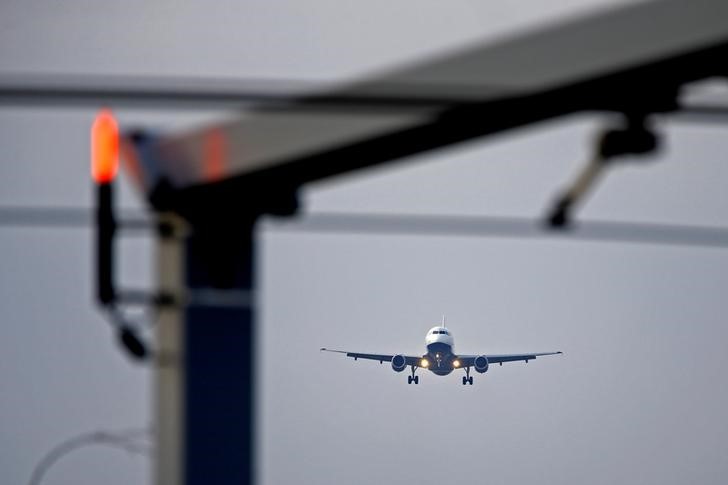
[[206, 399], [219, 356], [170, 346]]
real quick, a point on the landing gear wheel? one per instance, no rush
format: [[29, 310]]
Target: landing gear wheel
[[467, 379], [413, 377]]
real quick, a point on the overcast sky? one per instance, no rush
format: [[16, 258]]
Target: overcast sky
[[638, 397]]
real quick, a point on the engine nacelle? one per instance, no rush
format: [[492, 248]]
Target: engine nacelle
[[481, 363], [399, 363]]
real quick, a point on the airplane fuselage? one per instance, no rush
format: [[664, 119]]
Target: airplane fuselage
[[440, 356]]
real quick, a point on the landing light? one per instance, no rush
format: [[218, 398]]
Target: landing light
[[424, 363], [456, 363]]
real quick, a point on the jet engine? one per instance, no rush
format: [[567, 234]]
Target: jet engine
[[399, 363], [480, 363]]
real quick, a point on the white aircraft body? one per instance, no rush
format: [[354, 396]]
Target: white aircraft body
[[441, 358]]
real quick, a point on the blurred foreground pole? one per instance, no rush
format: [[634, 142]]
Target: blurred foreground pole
[[206, 355], [170, 357]]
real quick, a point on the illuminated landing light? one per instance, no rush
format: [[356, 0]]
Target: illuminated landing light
[[104, 147], [456, 363], [424, 363]]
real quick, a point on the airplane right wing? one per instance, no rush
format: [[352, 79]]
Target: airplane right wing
[[409, 360]]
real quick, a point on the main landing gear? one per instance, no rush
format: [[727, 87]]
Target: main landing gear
[[467, 378], [413, 377]]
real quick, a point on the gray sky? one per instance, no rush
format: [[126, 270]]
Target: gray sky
[[638, 396]]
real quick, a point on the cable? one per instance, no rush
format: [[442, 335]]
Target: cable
[[71, 217], [507, 227], [119, 440], [45, 216], [423, 225]]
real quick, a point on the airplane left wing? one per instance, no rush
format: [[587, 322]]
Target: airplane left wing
[[409, 360], [469, 360]]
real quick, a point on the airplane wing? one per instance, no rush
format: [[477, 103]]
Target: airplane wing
[[409, 360], [468, 360]]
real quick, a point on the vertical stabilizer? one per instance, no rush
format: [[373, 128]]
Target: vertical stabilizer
[[443, 321]]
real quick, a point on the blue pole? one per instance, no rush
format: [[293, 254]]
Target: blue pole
[[219, 358]]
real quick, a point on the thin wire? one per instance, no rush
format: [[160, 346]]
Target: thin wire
[[45, 216], [119, 440], [505, 227], [421, 225], [74, 218]]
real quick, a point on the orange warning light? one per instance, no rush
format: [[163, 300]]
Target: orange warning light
[[215, 153], [104, 147]]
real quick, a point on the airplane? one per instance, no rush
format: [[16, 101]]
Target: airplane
[[440, 358]]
